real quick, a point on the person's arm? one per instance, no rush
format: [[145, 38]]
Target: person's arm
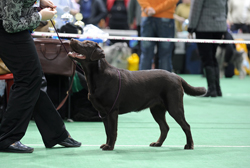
[[131, 11], [194, 16], [17, 18], [102, 12], [165, 5], [229, 13], [179, 18]]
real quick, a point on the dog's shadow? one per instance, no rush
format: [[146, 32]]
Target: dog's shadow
[[133, 151], [153, 153]]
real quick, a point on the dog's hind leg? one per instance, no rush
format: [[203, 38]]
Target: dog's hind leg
[[158, 113], [176, 110]]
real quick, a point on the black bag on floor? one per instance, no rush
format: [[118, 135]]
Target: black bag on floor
[[81, 107], [193, 61]]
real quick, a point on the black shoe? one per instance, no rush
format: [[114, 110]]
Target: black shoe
[[70, 142], [217, 82], [210, 76], [18, 147]]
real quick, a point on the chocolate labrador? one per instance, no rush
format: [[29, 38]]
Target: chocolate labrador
[[114, 91]]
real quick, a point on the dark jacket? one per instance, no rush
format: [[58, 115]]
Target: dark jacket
[[18, 15], [208, 16], [98, 12]]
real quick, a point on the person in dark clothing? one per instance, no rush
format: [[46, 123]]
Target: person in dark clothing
[[117, 16], [230, 48], [208, 20], [93, 11], [28, 95], [134, 14], [229, 58]]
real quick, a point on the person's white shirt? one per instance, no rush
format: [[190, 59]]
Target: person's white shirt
[[239, 11]]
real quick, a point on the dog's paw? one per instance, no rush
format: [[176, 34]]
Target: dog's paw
[[155, 144], [106, 147], [189, 146]]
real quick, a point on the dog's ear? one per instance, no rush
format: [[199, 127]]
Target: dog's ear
[[97, 53]]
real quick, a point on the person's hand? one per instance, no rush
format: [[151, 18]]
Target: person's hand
[[131, 26], [229, 24], [181, 20], [74, 12], [149, 11], [190, 35], [47, 4], [48, 13]]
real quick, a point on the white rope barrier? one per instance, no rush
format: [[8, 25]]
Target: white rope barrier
[[68, 35]]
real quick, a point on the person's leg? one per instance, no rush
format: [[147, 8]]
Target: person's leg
[[147, 47], [165, 29], [244, 28], [48, 120], [229, 52], [205, 49], [19, 56], [28, 93], [234, 28], [139, 42], [216, 65], [206, 54]]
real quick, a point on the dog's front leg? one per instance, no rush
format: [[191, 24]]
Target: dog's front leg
[[111, 130], [105, 122]]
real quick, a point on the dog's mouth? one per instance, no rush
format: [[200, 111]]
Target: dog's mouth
[[76, 55]]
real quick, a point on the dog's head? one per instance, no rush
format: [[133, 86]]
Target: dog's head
[[85, 51]]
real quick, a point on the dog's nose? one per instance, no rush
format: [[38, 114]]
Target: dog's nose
[[72, 39]]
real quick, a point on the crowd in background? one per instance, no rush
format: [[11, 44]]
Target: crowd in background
[[126, 14]]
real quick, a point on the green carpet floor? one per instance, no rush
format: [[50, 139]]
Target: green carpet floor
[[220, 128]]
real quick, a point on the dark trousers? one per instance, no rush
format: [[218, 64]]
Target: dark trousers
[[28, 93], [207, 50], [244, 28]]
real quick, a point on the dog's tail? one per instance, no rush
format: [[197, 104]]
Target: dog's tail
[[193, 91]]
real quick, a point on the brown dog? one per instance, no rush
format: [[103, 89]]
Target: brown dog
[[114, 91]]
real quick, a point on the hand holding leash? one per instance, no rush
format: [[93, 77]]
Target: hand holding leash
[[48, 13]]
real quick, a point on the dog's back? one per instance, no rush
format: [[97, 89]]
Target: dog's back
[[142, 89]]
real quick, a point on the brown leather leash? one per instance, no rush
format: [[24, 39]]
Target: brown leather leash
[[72, 80]]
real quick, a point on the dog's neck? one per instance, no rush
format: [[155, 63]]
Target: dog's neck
[[94, 70]]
